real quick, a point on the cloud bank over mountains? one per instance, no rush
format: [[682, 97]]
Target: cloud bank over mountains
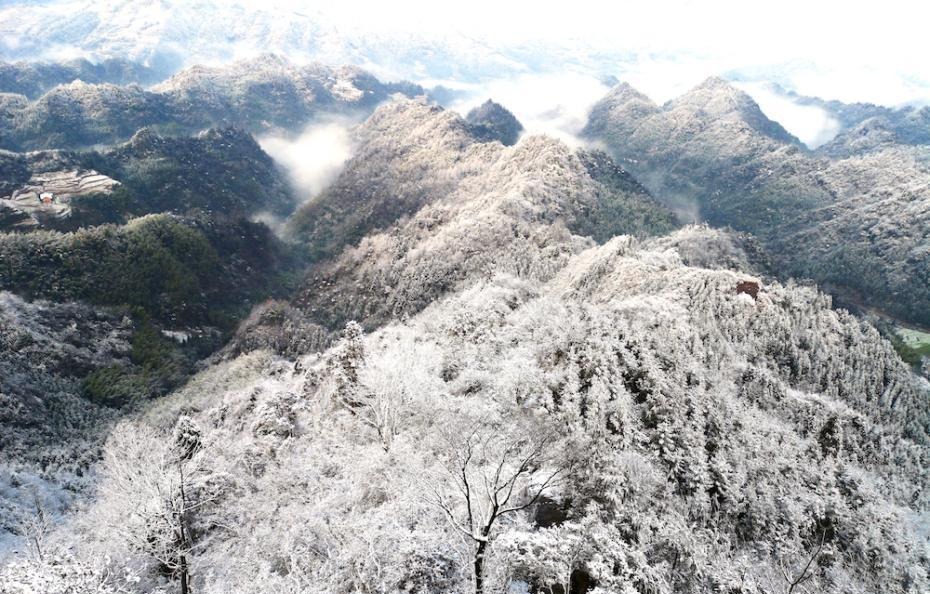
[[830, 49], [811, 124], [315, 157], [553, 104]]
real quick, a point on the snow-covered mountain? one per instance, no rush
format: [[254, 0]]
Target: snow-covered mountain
[[858, 225], [465, 207], [428, 352], [261, 94], [169, 34], [540, 401], [32, 79]]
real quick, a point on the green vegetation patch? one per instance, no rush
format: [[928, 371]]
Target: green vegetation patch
[[912, 345], [181, 272]]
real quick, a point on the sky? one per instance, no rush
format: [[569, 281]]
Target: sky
[[851, 29], [875, 51], [851, 51], [545, 60]]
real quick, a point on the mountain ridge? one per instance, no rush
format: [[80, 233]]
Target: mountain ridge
[[479, 360], [539, 186], [740, 175], [262, 94]]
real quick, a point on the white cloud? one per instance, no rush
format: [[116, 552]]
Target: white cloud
[[835, 49], [812, 125], [882, 85], [663, 78], [10, 42], [314, 158], [556, 105]]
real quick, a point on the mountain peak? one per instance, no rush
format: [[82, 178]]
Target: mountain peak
[[625, 92], [715, 96], [492, 121], [623, 104], [417, 119], [716, 83], [716, 99]]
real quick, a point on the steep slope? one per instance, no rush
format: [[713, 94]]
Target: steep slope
[[51, 433], [872, 241], [385, 178], [223, 172], [180, 271], [220, 173], [260, 94], [713, 151], [700, 438], [527, 208]]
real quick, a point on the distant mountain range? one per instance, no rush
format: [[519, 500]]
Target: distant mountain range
[[262, 94], [864, 127], [854, 215], [168, 35], [32, 79]]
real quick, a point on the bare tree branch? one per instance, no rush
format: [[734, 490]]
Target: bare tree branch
[[804, 575]]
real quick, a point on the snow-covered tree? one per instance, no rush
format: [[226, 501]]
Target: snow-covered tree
[[490, 476], [154, 488]]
